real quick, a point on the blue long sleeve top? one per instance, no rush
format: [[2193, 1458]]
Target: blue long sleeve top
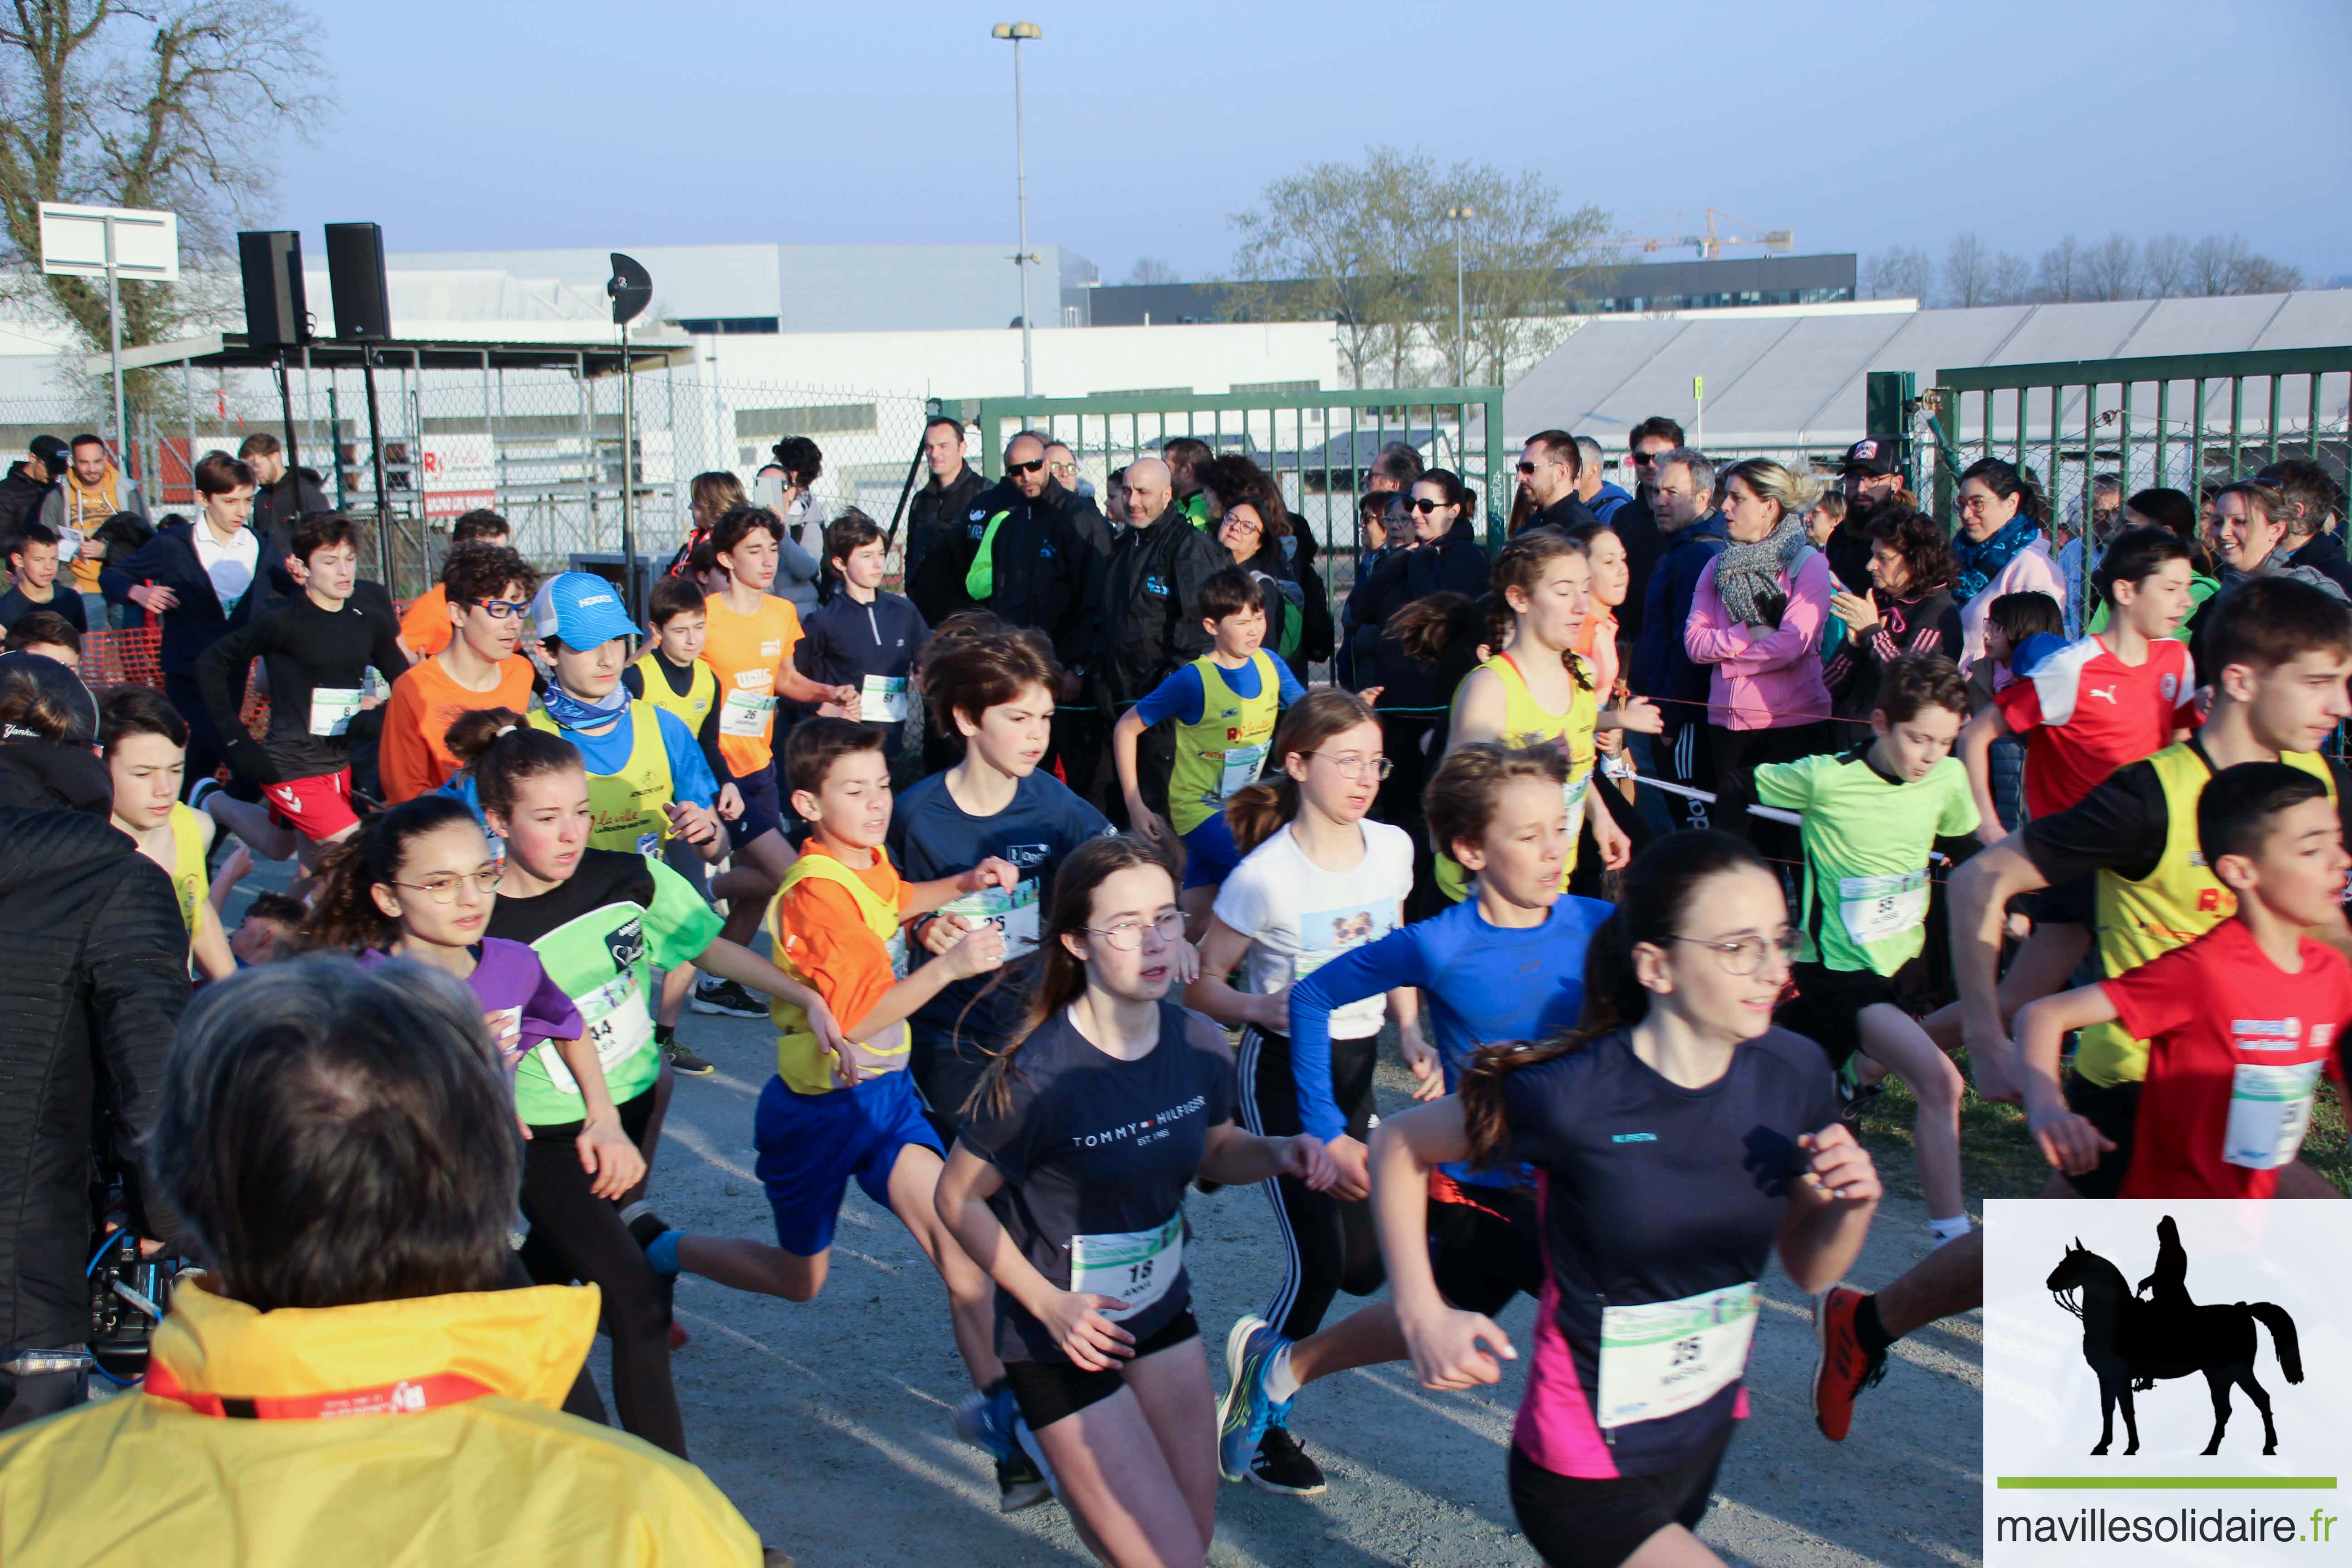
[[1486, 984]]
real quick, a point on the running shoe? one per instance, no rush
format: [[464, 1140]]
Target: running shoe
[[199, 791], [1245, 1413], [712, 995], [1841, 1368], [1020, 1484], [682, 1060], [985, 1421], [1280, 1465]]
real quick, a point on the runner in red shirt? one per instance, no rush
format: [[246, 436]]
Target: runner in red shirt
[[2239, 1023]]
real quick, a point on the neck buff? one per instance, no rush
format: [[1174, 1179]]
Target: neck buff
[[1981, 564], [570, 713]]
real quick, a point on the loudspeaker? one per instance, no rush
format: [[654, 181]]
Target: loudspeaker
[[275, 313], [355, 266]]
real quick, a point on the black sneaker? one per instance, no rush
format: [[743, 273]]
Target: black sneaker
[[1282, 1465], [712, 995], [1018, 1484], [682, 1060]]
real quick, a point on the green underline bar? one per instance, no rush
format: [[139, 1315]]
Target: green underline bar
[[2166, 1483]]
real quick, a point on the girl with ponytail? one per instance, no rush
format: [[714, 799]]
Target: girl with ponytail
[[1678, 1138], [1084, 1232]]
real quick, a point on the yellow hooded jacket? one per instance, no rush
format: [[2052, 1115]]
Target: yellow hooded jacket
[[503, 1478]]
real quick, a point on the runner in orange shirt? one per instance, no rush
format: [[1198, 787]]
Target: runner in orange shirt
[[427, 629], [490, 589]]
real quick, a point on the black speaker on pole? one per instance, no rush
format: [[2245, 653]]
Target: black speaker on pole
[[275, 313], [355, 267]]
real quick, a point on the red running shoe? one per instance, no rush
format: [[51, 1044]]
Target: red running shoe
[[1841, 1368], [678, 1336]]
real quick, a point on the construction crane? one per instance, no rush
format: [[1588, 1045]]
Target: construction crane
[[1710, 244]]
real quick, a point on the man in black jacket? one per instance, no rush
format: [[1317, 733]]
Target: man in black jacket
[[1025, 560], [1150, 617], [29, 484], [1549, 466], [936, 560], [282, 497], [97, 977]]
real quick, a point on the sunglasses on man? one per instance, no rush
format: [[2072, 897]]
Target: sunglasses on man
[[1025, 467]]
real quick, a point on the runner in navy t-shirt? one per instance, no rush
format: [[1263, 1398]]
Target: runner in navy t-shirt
[[1677, 1137]]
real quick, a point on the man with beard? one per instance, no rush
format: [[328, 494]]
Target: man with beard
[[1872, 479]]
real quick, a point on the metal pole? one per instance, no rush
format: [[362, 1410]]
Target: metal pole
[[114, 351], [629, 574], [375, 455], [286, 401], [1461, 320], [1021, 262]]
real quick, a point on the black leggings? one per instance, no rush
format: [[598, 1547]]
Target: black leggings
[[1332, 1244], [576, 1234]]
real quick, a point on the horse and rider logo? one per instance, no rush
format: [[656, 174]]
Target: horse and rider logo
[[2134, 1338]]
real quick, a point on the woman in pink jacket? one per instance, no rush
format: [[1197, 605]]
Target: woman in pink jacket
[[1758, 619]]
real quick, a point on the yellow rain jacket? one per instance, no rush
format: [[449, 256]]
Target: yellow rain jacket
[[505, 1476]]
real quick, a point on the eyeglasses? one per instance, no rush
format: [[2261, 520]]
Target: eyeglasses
[[1025, 467], [503, 609], [1424, 506], [1350, 766], [1127, 936], [1243, 524], [444, 890], [1063, 468], [1746, 955], [1973, 504], [1644, 459]]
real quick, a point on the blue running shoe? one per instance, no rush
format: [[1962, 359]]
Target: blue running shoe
[[1245, 1412], [985, 1421]]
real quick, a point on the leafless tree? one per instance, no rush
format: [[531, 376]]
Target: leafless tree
[[2013, 279], [2059, 276], [1151, 269], [177, 104], [1968, 272], [1901, 272], [2111, 269], [1329, 243], [2214, 263], [2164, 264]]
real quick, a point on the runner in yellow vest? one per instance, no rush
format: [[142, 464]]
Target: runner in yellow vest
[[630, 803], [144, 742]]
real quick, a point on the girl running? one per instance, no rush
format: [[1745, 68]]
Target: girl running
[[1315, 880], [1085, 1234], [1504, 964], [1677, 1138], [1596, 644], [145, 743]]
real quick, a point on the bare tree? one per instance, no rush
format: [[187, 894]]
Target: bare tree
[[175, 104], [2013, 279], [1151, 269], [1901, 272], [2214, 263], [2059, 276], [2260, 275], [2111, 269], [1968, 272], [1331, 243], [2164, 264], [1525, 259]]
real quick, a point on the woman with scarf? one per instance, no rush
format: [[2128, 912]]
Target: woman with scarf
[[1909, 609], [2001, 548], [1757, 619]]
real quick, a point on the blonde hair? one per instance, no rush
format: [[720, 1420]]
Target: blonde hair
[[1767, 480], [711, 495]]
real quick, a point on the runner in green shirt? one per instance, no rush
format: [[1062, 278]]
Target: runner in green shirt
[[1871, 815]]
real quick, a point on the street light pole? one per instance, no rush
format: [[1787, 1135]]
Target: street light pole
[[1461, 317], [1017, 32]]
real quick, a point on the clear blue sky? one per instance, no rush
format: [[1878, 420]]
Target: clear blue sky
[[508, 124]]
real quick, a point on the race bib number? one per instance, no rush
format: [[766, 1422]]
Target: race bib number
[[2270, 1108], [333, 708], [1876, 908], [619, 1026], [1136, 1267], [747, 714], [1571, 794], [1012, 910], [1670, 1356], [884, 700], [1243, 764]]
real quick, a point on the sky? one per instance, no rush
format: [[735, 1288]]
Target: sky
[[1859, 125]]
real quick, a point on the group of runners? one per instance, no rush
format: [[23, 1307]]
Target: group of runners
[[1028, 1031]]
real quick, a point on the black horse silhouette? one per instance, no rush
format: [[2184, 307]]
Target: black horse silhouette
[[2129, 1341]]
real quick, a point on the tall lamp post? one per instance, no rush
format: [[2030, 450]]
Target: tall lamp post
[[1017, 31], [1460, 317]]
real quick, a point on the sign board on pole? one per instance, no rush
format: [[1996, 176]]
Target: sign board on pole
[[460, 474], [146, 244]]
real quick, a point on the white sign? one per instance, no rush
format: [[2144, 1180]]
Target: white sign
[[460, 474], [146, 244]]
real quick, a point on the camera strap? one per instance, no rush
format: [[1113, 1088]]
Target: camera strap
[[410, 1397]]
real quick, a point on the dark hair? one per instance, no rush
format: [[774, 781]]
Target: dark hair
[[1229, 591], [2270, 621], [2236, 814], [1655, 426], [217, 473], [701, 559], [479, 571], [1560, 444], [321, 530], [32, 530], [131, 711], [343, 911], [1456, 492], [815, 744], [2134, 555], [949, 419], [1919, 540], [2028, 614], [975, 662], [289, 912], [87, 439], [1652, 899], [44, 628], [1435, 625], [503, 750], [2166, 507], [1061, 975], [1373, 500], [1255, 813], [2007, 480], [800, 458], [1400, 461], [1235, 480], [852, 530], [1459, 800], [480, 524], [736, 523], [1188, 452], [672, 597], [333, 1135], [30, 711], [1918, 680], [1520, 564], [260, 443], [2304, 484]]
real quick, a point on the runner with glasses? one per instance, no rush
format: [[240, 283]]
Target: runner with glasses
[[489, 597], [1083, 1230], [1315, 880], [1678, 1139]]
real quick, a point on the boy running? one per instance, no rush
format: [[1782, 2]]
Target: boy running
[[489, 590], [2239, 1023], [425, 629], [864, 636]]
